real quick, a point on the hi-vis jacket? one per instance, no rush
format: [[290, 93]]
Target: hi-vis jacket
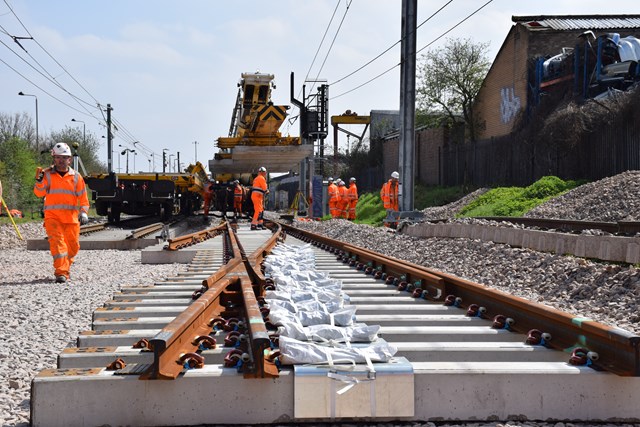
[[389, 195], [65, 195]]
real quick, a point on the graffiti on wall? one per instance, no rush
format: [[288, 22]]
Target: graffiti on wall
[[509, 104]]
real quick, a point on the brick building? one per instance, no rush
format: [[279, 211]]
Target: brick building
[[505, 91]]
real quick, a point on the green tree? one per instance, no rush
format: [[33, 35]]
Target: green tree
[[449, 79], [86, 146], [17, 172]]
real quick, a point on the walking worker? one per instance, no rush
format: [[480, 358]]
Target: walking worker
[[258, 190], [208, 196], [65, 208], [352, 196], [389, 193], [343, 204], [238, 199], [332, 193]]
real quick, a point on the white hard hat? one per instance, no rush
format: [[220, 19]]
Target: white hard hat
[[61, 149], [262, 169], [352, 179], [341, 182], [395, 175], [330, 179]]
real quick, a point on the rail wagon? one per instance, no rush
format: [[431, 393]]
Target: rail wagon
[[162, 194]]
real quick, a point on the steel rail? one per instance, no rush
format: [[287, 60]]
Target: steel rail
[[617, 349], [143, 231], [91, 228], [191, 239], [619, 227], [176, 346]]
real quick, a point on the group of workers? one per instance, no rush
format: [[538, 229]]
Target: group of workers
[[238, 198], [342, 199], [256, 193]]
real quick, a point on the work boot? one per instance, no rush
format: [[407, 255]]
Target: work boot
[[61, 279], [253, 227]]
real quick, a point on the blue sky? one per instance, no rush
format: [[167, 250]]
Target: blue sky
[[169, 69]]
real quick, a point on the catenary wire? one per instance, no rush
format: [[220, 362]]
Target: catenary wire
[[421, 49]]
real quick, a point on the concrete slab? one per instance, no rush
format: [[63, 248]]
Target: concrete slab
[[442, 390]]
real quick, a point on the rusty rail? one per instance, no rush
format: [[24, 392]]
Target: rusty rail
[[618, 350], [619, 227], [193, 238], [143, 231], [177, 345], [91, 228]]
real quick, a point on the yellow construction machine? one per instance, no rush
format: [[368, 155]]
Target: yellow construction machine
[[254, 137]]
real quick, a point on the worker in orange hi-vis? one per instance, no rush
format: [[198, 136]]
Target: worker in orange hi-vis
[[208, 197], [65, 208], [238, 199], [258, 190], [389, 193], [352, 196], [343, 204], [332, 193]]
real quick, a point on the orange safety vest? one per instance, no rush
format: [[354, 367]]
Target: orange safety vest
[[238, 193], [65, 195], [259, 185], [389, 195], [352, 195], [332, 192]]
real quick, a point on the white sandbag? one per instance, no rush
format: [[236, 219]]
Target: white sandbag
[[293, 352], [359, 332]]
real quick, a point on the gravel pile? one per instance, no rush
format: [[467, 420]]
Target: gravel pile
[[40, 318], [452, 209], [611, 199]]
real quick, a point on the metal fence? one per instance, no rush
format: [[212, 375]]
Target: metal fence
[[508, 160]]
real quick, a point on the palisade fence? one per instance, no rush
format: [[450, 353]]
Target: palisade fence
[[509, 160]]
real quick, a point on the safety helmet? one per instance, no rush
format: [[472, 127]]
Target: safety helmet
[[352, 179], [236, 182], [262, 169], [330, 179], [341, 182], [395, 175], [61, 149]]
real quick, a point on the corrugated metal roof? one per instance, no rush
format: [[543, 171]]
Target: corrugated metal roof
[[579, 22]]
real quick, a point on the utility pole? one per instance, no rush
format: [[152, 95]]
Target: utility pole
[[109, 141], [407, 102], [178, 162]]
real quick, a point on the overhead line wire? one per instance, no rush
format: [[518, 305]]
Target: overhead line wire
[[421, 49], [332, 42], [393, 45]]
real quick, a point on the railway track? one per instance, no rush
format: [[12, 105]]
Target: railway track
[[626, 228], [464, 352]]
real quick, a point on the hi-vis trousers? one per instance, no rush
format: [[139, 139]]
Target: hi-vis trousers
[[64, 244]]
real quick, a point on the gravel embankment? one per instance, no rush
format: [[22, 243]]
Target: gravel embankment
[[40, 318]]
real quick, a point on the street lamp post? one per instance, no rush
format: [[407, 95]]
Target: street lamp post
[[127, 151], [84, 141], [135, 154], [170, 156], [37, 138]]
